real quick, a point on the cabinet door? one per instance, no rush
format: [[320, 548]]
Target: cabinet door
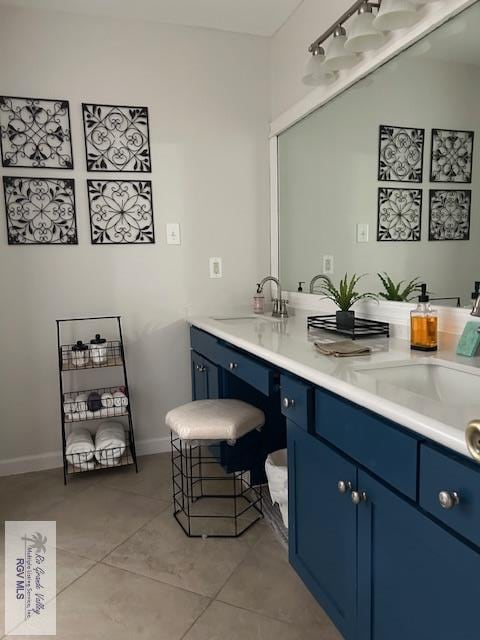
[[205, 378], [322, 525], [416, 580]]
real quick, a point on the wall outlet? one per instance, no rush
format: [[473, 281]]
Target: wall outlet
[[362, 232], [215, 265], [173, 233], [328, 265]]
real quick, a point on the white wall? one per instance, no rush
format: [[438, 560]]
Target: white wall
[[328, 183], [289, 49], [208, 98]]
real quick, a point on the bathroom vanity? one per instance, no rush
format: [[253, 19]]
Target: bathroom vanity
[[384, 499]]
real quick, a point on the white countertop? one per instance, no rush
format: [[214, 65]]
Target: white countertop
[[287, 344]]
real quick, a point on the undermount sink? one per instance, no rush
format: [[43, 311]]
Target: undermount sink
[[437, 380], [241, 318]]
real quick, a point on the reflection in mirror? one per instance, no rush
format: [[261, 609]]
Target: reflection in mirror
[[383, 178]]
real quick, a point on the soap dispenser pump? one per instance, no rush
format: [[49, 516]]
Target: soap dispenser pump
[[424, 324]]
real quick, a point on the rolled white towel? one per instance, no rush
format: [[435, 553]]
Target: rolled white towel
[[80, 449], [110, 443], [69, 405], [81, 401], [120, 399], [107, 400]]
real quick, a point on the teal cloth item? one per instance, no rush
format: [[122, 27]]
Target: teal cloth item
[[470, 340]]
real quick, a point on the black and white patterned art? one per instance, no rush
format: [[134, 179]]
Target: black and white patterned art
[[450, 214], [399, 215], [400, 156], [121, 211], [35, 133], [116, 138], [40, 210], [452, 153]]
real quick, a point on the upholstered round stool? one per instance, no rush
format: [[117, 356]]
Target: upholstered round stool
[[207, 501]]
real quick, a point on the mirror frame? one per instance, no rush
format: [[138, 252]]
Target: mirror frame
[[434, 15]]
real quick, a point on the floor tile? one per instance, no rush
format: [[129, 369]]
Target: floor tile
[[221, 622], [27, 496], [107, 603], [267, 584], [94, 522], [162, 551], [154, 478]]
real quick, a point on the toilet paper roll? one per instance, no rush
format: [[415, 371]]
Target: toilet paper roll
[[69, 406]]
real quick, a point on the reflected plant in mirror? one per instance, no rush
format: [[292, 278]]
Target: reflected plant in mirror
[[401, 291], [344, 297]]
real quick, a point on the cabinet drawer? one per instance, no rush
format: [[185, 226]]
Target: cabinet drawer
[[249, 370], [204, 343], [370, 439], [297, 401], [440, 472]]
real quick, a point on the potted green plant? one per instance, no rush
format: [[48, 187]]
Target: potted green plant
[[345, 296], [402, 291]]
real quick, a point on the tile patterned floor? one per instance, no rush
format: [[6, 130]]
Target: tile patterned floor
[[125, 569]]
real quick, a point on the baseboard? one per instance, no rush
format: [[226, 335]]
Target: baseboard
[[53, 460]]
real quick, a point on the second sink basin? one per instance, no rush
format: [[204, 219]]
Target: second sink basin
[[437, 380]]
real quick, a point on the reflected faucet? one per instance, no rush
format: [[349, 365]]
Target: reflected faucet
[[279, 305], [315, 279]]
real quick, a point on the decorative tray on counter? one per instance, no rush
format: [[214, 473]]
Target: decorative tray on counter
[[363, 328]]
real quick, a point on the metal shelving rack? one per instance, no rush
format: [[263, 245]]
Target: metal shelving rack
[[115, 357]]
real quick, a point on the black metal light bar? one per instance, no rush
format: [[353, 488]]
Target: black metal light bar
[[346, 16]]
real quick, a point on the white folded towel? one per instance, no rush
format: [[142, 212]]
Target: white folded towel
[[80, 449], [110, 443], [120, 399], [107, 400], [81, 401]]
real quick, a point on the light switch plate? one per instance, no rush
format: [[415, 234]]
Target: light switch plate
[[215, 265], [328, 265], [362, 232], [173, 233]]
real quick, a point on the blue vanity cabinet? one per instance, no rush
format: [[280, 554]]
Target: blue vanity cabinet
[[415, 579], [323, 524], [205, 378]]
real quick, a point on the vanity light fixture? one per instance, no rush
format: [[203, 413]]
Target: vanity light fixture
[[337, 56], [362, 34], [316, 72], [396, 14]]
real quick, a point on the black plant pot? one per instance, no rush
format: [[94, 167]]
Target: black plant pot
[[345, 320]]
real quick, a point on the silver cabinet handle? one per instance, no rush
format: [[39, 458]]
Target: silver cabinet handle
[[472, 436], [232, 365], [288, 403], [448, 499], [359, 496], [344, 486], [200, 368]]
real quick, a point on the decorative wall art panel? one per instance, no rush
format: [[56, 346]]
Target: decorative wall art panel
[[452, 153], [116, 138], [35, 133], [121, 211], [399, 215], [450, 214], [40, 210], [400, 157]]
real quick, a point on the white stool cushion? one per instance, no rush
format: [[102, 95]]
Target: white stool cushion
[[214, 420]]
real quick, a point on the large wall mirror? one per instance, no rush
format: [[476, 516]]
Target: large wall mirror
[[386, 177]]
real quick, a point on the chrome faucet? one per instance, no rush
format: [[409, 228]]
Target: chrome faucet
[[279, 304], [315, 279]]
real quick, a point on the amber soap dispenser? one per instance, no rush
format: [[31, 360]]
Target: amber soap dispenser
[[424, 324]]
